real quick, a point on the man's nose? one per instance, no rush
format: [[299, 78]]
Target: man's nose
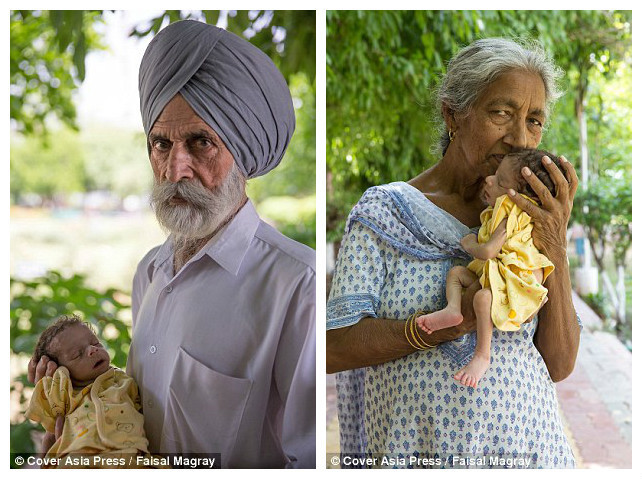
[[179, 164]]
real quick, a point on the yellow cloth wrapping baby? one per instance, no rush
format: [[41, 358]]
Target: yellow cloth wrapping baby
[[516, 292], [101, 417]]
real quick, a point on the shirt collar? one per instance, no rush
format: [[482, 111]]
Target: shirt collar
[[228, 248]]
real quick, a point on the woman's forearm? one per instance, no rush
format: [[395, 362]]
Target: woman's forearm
[[558, 334], [374, 341]]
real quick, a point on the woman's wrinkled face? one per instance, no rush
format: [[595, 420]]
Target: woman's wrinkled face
[[508, 116]]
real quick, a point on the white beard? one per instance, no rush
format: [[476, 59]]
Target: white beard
[[204, 212]]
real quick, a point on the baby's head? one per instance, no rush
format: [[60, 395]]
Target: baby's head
[[509, 175], [71, 343]]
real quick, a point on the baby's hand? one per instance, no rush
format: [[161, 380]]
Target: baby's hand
[[468, 241]]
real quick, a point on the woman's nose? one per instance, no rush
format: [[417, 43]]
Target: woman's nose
[[517, 135]]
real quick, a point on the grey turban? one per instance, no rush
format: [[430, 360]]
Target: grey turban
[[231, 84]]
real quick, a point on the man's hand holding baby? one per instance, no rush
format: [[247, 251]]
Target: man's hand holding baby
[[45, 367], [35, 372]]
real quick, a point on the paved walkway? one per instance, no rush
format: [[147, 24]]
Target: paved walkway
[[595, 399]]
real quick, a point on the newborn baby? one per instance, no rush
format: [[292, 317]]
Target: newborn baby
[[99, 403], [507, 264]]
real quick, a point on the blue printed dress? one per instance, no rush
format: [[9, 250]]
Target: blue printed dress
[[396, 252]]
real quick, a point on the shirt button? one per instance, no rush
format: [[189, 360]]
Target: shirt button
[[168, 289], [152, 349]]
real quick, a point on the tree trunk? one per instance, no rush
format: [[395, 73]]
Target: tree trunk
[[621, 293], [612, 295], [581, 120]]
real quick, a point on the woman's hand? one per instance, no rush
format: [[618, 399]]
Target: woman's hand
[[558, 334], [551, 219]]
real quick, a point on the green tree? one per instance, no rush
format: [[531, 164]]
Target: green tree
[[47, 171], [605, 211], [47, 64], [115, 160]]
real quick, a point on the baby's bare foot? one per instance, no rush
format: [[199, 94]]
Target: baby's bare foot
[[470, 374], [442, 319]]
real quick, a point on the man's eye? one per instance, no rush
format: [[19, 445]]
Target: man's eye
[[161, 145], [536, 122], [203, 142]]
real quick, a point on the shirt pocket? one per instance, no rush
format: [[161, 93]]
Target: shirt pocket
[[204, 409]]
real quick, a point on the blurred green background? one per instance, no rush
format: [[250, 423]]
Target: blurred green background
[[80, 177], [383, 69]]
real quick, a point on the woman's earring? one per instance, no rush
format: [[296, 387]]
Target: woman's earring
[[451, 135]]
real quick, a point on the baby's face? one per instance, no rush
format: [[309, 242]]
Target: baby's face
[[504, 178], [79, 350]]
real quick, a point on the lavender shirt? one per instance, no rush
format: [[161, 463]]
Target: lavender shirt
[[224, 351]]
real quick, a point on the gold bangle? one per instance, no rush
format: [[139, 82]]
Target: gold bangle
[[418, 343], [414, 331], [420, 340], [405, 331]]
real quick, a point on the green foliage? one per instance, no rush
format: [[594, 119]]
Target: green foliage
[[605, 210], [116, 160], [294, 217], [35, 304], [47, 63], [20, 442], [599, 304], [295, 175], [97, 159], [47, 170]]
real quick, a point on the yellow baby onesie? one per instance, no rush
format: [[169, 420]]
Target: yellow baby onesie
[[102, 417], [516, 292]]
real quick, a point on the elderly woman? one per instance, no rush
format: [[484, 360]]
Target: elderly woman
[[396, 392]]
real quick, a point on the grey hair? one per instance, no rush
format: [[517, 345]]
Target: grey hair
[[481, 63]]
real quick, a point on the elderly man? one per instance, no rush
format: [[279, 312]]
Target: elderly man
[[223, 312]]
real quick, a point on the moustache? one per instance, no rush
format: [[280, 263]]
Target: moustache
[[191, 192]]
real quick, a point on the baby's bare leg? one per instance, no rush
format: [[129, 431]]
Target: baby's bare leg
[[458, 278], [470, 374]]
